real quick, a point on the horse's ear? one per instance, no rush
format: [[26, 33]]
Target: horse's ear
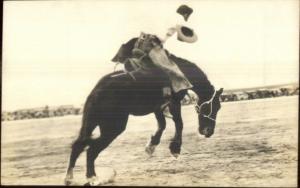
[[220, 91]]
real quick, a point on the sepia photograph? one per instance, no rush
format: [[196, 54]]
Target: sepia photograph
[[200, 93]]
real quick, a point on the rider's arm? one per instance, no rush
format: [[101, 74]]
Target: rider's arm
[[171, 32]]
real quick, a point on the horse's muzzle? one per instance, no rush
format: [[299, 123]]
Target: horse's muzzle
[[207, 132]]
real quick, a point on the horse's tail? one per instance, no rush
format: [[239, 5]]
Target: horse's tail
[[88, 122], [91, 110]]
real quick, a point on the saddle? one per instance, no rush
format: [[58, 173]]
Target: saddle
[[137, 63], [145, 55], [133, 54]]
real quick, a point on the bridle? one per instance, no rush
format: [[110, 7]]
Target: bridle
[[209, 102]]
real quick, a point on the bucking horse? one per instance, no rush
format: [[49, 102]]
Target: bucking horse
[[121, 93]]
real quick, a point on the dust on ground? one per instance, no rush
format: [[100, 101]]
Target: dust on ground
[[255, 144]]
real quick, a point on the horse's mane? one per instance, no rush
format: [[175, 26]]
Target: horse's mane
[[195, 75], [191, 70]]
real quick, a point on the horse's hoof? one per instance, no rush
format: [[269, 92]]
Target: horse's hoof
[[68, 181], [93, 181], [175, 148], [176, 155], [150, 148], [112, 178]]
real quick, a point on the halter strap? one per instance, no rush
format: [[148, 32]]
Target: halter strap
[[198, 108]]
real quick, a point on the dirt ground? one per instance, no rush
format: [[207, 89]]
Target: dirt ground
[[255, 144]]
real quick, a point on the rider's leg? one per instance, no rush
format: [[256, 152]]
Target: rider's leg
[[177, 78], [167, 93]]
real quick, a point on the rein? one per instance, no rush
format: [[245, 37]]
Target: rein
[[129, 72], [209, 102]]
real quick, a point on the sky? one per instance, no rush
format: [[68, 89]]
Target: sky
[[54, 52]]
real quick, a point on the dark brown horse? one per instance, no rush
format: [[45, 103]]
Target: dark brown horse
[[117, 95]]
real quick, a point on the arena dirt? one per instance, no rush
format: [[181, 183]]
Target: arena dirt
[[255, 144]]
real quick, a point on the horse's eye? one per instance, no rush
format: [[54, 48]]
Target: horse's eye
[[143, 36]]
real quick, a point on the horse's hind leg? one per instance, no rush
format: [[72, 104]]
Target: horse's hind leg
[[77, 148], [155, 139], [110, 129]]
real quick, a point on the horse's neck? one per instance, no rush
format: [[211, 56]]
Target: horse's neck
[[202, 86], [204, 91]]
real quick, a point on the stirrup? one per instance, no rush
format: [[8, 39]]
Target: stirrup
[[167, 113], [163, 106]]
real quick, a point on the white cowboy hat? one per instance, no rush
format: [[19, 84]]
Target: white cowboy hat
[[186, 34]]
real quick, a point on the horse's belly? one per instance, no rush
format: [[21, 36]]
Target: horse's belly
[[143, 110], [139, 113]]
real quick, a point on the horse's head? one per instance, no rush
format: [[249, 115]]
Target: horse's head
[[207, 113]]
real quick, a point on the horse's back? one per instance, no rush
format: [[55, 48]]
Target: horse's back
[[119, 90]]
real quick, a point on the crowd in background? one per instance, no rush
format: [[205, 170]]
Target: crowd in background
[[43, 112], [191, 98]]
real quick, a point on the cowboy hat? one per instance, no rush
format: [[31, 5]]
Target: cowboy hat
[[186, 34]]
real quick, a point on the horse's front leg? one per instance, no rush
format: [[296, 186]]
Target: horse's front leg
[[155, 139], [175, 145]]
